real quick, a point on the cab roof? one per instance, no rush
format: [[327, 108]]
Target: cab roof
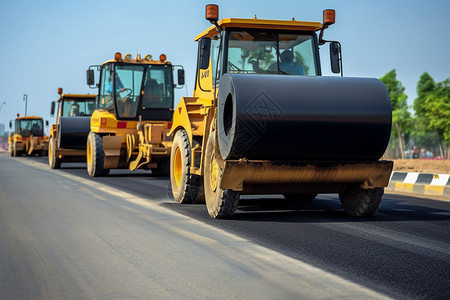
[[140, 61], [261, 24], [29, 118], [77, 96]]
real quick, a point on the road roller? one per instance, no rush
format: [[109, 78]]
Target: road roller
[[28, 137], [263, 120], [134, 111], [67, 142]]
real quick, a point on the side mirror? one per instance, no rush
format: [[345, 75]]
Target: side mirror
[[10, 124], [204, 51], [335, 57], [52, 108], [90, 77], [180, 77], [46, 123]]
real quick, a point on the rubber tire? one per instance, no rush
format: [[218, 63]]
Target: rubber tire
[[358, 202], [53, 161], [189, 188], [95, 163], [221, 203], [300, 197], [11, 149]]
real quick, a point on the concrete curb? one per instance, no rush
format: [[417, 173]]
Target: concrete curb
[[420, 183]]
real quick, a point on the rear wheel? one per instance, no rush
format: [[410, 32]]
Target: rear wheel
[[53, 161], [358, 202], [95, 156], [221, 203], [186, 187]]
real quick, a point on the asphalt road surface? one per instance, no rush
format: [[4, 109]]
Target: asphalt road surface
[[64, 235]]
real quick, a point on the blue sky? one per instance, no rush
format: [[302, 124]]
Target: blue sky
[[49, 44]]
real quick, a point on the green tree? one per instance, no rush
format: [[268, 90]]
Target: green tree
[[437, 111], [425, 87], [401, 117]]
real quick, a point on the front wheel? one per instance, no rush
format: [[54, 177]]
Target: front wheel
[[186, 187], [358, 202], [95, 157], [53, 161], [221, 203]]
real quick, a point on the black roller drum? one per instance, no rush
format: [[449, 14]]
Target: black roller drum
[[73, 132], [280, 117]]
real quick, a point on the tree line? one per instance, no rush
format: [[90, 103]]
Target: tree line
[[427, 131]]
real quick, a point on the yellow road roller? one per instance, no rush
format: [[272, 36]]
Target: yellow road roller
[[133, 116], [263, 120], [28, 137], [67, 142]]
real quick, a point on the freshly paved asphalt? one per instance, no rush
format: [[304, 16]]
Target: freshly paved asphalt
[[65, 235]]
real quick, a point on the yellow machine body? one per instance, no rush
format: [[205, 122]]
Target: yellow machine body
[[132, 143], [24, 141], [196, 116], [67, 154]]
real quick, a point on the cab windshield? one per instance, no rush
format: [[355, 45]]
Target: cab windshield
[[266, 52], [27, 127], [135, 86], [78, 107]]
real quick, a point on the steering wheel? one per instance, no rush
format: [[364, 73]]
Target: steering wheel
[[128, 91]]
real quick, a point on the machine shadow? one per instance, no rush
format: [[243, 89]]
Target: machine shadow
[[330, 210]]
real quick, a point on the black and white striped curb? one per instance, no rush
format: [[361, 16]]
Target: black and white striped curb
[[420, 183]]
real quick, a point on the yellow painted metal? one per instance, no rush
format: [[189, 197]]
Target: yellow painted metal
[[261, 24], [238, 173], [214, 173], [181, 119], [178, 167], [89, 152]]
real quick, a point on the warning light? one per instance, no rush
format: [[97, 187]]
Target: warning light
[[212, 12], [162, 57], [60, 91], [329, 16], [118, 56]]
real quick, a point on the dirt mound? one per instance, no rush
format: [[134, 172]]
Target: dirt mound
[[422, 166]]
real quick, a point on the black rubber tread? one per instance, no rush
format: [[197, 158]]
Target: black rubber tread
[[221, 203], [53, 161], [360, 202], [189, 188], [300, 197], [98, 156]]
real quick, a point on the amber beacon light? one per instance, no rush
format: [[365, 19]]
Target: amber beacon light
[[329, 16], [212, 12]]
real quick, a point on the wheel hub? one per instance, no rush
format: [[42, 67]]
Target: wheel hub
[[177, 167]]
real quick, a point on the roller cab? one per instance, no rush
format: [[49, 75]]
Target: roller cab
[[28, 137], [67, 138], [134, 112], [263, 120]]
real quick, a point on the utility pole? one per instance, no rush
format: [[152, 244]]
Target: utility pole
[[25, 98]]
